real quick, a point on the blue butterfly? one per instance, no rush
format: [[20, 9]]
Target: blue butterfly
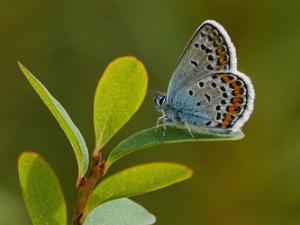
[[206, 90]]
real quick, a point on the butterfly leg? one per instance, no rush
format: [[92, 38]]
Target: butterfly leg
[[162, 118], [189, 129], [165, 128]]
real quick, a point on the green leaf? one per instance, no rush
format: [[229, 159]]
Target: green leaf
[[41, 191], [120, 93], [64, 120], [120, 212], [153, 136], [138, 180]]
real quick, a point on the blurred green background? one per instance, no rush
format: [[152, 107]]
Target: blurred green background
[[67, 45]]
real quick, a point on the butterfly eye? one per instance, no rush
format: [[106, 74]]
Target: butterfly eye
[[162, 100]]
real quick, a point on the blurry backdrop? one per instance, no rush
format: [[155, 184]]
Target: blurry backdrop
[[67, 45]]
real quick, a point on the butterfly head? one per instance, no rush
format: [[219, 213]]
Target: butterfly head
[[159, 101]]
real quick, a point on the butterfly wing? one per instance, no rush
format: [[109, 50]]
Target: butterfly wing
[[209, 50], [219, 100]]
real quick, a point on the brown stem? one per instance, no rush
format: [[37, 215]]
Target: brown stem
[[87, 185]]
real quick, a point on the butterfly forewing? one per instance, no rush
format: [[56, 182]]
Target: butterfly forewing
[[210, 50]]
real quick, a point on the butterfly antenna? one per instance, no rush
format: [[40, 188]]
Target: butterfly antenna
[[153, 93]]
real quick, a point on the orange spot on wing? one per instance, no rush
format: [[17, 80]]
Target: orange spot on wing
[[237, 93], [222, 60], [231, 109], [226, 120], [225, 79], [236, 101], [234, 85], [219, 50]]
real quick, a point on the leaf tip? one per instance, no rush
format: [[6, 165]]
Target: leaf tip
[[21, 66], [27, 154], [24, 70], [124, 71], [127, 57], [135, 60], [189, 172], [36, 173]]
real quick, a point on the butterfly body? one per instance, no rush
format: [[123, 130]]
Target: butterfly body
[[206, 90]]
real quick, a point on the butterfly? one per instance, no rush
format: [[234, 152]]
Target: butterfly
[[206, 90]]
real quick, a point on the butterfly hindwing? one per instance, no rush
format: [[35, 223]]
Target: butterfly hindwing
[[210, 50], [219, 101]]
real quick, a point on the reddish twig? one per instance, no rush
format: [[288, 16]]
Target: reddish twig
[[87, 184]]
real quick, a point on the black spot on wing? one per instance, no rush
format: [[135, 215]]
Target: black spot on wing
[[194, 63], [208, 123], [207, 97], [209, 67], [218, 116]]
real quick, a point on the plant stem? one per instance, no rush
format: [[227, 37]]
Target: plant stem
[[87, 185]]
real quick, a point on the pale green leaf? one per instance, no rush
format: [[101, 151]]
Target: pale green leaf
[[41, 191], [153, 136], [64, 120], [138, 180], [120, 93], [120, 212]]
